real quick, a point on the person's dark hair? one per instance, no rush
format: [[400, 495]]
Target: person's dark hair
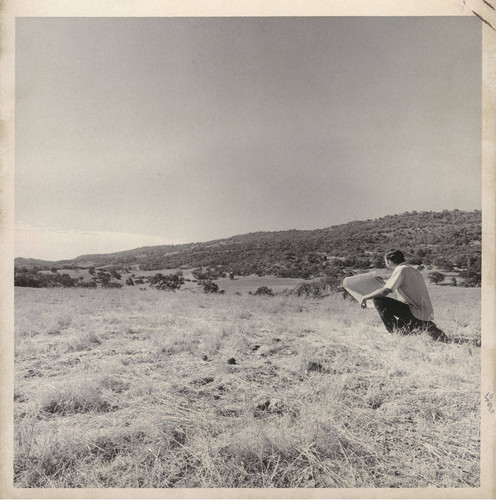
[[395, 256]]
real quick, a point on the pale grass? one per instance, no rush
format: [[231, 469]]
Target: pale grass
[[136, 391]]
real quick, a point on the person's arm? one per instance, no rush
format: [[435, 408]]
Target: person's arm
[[382, 292]]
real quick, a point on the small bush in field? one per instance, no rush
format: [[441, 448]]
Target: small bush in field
[[111, 284], [436, 277], [169, 282], [264, 290], [115, 274], [209, 286]]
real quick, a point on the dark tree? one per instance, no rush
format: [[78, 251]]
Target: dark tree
[[115, 274], [170, 282], [471, 277], [436, 277], [209, 286]]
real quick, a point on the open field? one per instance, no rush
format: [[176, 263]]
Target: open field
[[132, 388], [238, 284]]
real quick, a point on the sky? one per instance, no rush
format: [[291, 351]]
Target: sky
[[145, 131]]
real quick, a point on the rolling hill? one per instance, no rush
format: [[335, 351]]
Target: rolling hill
[[447, 239]]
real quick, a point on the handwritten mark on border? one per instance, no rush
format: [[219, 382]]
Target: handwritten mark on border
[[489, 402]]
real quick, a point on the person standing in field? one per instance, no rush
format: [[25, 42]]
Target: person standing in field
[[412, 310]]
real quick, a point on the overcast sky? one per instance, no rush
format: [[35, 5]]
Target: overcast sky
[[147, 131]]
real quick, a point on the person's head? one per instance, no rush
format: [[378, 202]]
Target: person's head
[[394, 257]]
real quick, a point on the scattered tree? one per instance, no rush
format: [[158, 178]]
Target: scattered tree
[[209, 286], [171, 282], [436, 277], [471, 278], [115, 274]]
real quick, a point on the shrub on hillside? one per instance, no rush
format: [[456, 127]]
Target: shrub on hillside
[[170, 282], [471, 278], [443, 264], [210, 273], [111, 284], [35, 279], [436, 277], [28, 280], [66, 281], [363, 263], [322, 288], [378, 262], [209, 286], [264, 290], [103, 277], [115, 274]]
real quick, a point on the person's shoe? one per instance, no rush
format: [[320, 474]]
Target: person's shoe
[[437, 334]]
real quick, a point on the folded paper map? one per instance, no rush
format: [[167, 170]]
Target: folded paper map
[[363, 284]]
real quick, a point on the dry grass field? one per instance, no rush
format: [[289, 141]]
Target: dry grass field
[[132, 388]]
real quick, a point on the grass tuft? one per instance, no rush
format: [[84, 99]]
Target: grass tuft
[[82, 341], [80, 398]]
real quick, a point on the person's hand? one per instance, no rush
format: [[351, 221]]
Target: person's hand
[[363, 304]]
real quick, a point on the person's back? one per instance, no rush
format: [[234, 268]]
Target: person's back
[[412, 290]]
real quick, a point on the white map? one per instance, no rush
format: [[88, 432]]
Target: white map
[[363, 284]]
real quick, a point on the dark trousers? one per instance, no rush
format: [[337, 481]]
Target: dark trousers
[[396, 315]]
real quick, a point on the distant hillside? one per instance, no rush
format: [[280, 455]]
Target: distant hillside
[[448, 239], [29, 263]]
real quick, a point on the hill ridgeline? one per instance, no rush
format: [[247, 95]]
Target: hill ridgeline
[[447, 240]]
